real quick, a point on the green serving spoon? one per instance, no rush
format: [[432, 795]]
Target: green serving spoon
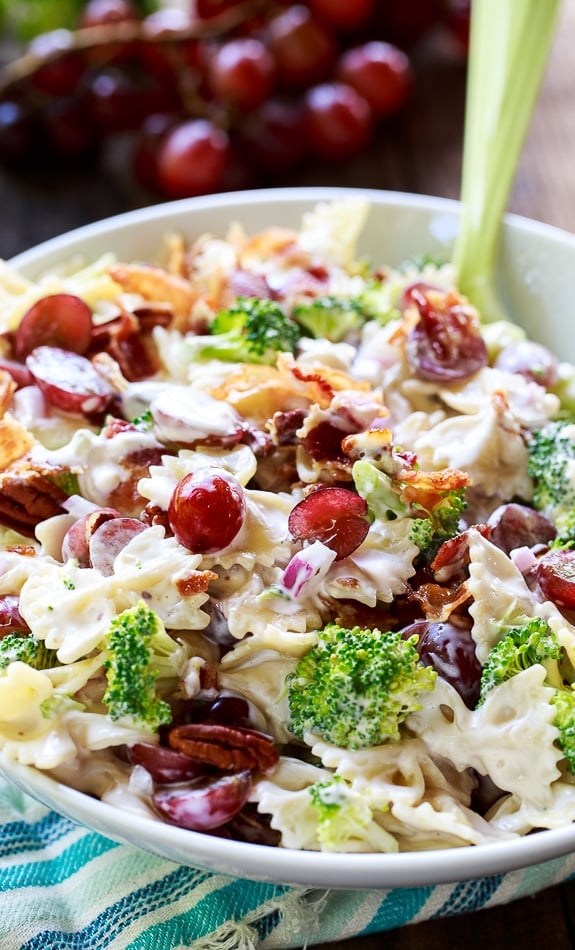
[[509, 47]]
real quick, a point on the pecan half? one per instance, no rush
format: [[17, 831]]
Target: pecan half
[[230, 748], [28, 495]]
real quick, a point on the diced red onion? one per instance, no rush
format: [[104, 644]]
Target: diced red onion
[[310, 564], [78, 506], [523, 558]]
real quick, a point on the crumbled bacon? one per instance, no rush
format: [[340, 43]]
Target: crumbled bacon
[[127, 340], [439, 601], [453, 554], [284, 426], [197, 582]]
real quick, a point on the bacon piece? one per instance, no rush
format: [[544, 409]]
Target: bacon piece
[[453, 554], [157, 285], [127, 340], [285, 425], [438, 602]]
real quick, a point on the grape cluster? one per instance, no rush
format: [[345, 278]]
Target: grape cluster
[[211, 95]]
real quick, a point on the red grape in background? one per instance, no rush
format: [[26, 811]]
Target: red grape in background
[[241, 73], [338, 121], [303, 50], [344, 15], [251, 86], [381, 73], [193, 159]]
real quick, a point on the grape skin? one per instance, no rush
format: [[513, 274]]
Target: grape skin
[[218, 93]]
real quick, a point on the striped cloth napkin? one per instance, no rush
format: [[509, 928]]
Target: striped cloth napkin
[[63, 887]]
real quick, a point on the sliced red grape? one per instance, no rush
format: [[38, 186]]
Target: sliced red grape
[[450, 650], [531, 360], [207, 806], [69, 381], [445, 345], [76, 542], [515, 526], [165, 765], [335, 516], [61, 320], [556, 577], [207, 510], [10, 619], [19, 373], [109, 539]]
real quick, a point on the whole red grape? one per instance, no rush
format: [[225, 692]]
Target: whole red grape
[[193, 159], [381, 73], [338, 121]]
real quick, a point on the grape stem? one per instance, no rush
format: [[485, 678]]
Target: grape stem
[[93, 37], [509, 46]]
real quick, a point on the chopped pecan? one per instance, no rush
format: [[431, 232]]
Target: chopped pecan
[[230, 748], [153, 514], [28, 495]]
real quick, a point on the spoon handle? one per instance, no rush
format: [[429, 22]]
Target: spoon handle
[[509, 46]]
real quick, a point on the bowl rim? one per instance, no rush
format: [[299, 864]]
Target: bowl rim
[[262, 196], [260, 862], [338, 870]]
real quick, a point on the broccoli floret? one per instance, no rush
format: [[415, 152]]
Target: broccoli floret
[[26, 649], [253, 330], [330, 318], [524, 646], [420, 261], [521, 647], [564, 702], [335, 318], [341, 813], [440, 524], [140, 652], [355, 686], [551, 465]]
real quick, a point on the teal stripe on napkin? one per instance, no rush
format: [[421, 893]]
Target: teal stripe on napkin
[[58, 869], [67, 888]]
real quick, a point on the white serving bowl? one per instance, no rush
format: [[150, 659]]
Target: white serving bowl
[[537, 282]]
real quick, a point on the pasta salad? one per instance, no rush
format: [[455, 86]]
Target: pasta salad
[[287, 544]]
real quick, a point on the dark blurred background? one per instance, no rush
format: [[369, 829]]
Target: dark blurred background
[[116, 104]]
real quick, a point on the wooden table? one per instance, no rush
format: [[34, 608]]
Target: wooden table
[[420, 153]]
